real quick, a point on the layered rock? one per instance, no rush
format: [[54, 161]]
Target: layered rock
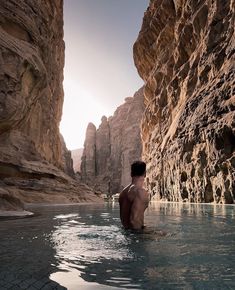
[[185, 54], [110, 150], [33, 157], [9, 202]]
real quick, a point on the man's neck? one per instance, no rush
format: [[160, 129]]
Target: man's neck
[[138, 181]]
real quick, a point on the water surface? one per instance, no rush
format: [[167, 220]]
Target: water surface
[[184, 246]]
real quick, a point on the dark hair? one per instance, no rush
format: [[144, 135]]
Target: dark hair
[[138, 168]]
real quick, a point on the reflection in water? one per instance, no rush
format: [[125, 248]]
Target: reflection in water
[[173, 251], [27, 257], [184, 246], [94, 249]]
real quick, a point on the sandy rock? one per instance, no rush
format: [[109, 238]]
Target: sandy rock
[[185, 54], [9, 201], [32, 153], [31, 75]]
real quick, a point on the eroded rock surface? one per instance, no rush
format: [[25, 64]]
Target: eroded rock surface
[[185, 54], [110, 150], [33, 158], [9, 202]]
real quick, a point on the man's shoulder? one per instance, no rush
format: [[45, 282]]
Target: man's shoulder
[[138, 191], [124, 192], [143, 192]]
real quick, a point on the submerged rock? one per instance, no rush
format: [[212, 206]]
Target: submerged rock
[[185, 54]]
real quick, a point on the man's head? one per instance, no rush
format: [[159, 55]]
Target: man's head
[[138, 168]]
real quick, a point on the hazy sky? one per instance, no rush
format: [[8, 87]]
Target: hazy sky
[[99, 69]]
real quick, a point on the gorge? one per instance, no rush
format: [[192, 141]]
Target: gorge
[[181, 122], [185, 55]]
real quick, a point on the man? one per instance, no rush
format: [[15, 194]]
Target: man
[[134, 199]]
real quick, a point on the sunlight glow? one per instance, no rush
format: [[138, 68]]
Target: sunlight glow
[[99, 70], [79, 105]]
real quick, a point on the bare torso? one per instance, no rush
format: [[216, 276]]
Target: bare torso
[[133, 202]]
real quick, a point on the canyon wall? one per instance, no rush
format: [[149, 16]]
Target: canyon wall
[[34, 161], [110, 150], [185, 54]]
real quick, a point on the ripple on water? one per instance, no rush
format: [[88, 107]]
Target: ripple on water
[[84, 247]]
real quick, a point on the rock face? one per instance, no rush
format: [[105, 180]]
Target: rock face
[[88, 167], [185, 54], [67, 160], [8, 202], [33, 156], [77, 159], [110, 150]]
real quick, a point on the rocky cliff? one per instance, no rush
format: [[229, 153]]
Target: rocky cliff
[[110, 150], [33, 157], [185, 54]]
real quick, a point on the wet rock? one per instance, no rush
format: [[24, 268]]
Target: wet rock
[[185, 54]]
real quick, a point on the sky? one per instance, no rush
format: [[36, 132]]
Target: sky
[[99, 69]]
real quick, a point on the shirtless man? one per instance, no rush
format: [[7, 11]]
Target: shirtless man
[[134, 199]]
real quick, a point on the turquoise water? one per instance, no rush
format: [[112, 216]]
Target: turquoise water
[[185, 246]]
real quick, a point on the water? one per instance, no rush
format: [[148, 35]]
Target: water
[[185, 246]]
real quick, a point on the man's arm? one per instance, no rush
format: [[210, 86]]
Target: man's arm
[[140, 203]]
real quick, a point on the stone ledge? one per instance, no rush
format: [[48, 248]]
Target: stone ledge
[[15, 214]]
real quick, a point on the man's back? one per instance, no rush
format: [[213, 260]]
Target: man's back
[[133, 201]]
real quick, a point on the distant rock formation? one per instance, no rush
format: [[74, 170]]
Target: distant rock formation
[[88, 168], [77, 159], [67, 160], [34, 161], [185, 54], [110, 150]]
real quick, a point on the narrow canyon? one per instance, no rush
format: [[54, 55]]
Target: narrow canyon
[[182, 122]]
